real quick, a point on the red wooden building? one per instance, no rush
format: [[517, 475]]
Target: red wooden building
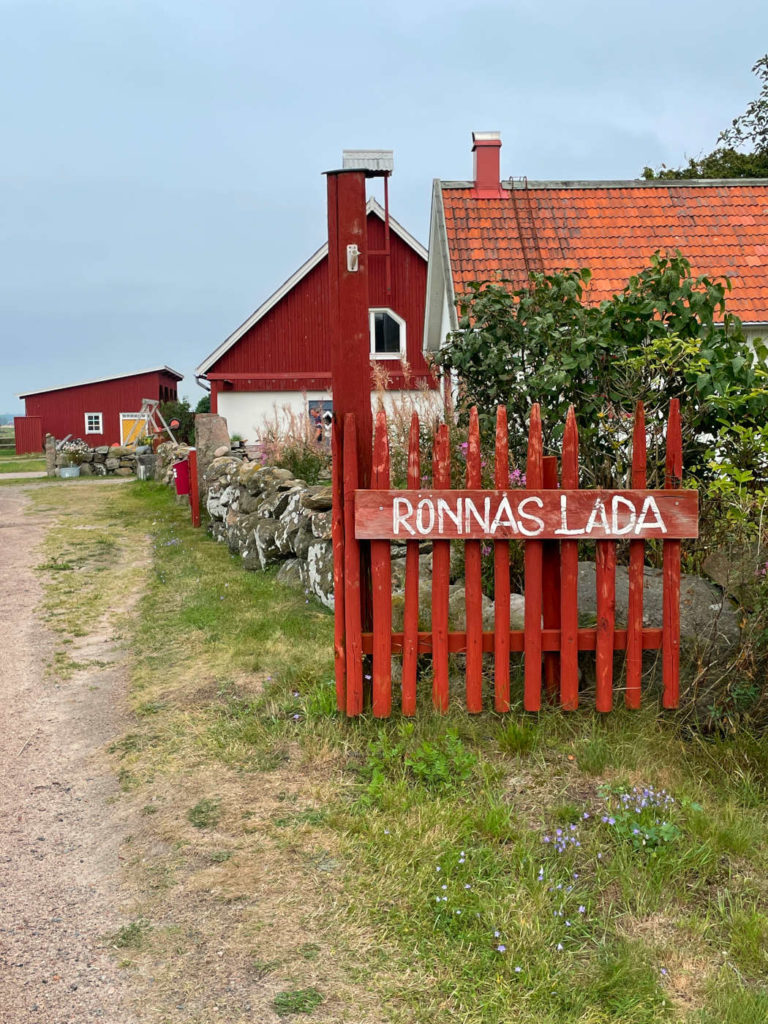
[[280, 357], [98, 411]]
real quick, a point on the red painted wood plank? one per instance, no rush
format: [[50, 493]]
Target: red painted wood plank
[[194, 487], [634, 661], [569, 578], [605, 581], [501, 587], [550, 641], [671, 569], [411, 610], [337, 537], [530, 513], [533, 575], [473, 573], [551, 589], [441, 570], [352, 589], [381, 581]]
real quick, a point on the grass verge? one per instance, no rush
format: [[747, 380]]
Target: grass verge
[[545, 868]]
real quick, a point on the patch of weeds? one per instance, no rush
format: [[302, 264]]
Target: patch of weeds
[[261, 968], [517, 738], [149, 809], [567, 814], [440, 764], [55, 565], [297, 1000], [133, 935], [643, 818], [131, 743], [312, 816], [309, 950], [749, 941], [205, 814], [593, 755], [220, 856], [151, 707]]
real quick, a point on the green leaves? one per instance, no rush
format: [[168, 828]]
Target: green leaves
[[658, 338]]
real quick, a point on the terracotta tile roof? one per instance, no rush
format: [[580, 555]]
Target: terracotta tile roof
[[612, 228]]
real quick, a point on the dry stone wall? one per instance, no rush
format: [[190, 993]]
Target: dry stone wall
[[268, 517]]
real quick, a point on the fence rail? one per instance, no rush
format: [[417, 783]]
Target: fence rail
[[549, 517]]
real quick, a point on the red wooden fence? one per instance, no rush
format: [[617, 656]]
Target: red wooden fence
[[548, 517]]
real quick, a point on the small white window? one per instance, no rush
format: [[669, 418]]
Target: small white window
[[93, 423], [387, 334]]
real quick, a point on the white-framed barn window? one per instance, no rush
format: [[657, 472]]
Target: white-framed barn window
[[387, 334], [94, 423]]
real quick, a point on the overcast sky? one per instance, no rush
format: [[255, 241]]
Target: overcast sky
[[162, 159]]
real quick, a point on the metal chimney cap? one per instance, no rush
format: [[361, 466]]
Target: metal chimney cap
[[486, 137], [368, 160]]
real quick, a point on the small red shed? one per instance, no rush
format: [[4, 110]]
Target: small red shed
[[100, 411], [280, 358]]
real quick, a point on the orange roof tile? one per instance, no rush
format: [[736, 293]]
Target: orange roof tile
[[721, 228]]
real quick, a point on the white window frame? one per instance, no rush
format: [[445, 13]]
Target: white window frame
[[88, 416], [371, 327]]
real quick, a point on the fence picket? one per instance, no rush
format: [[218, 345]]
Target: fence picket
[[551, 589], [411, 609], [473, 581], [533, 575], [381, 580], [671, 569], [569, 578], [441, 571], [352, 610], [501, 588], [634, 661], [337, 537], [605, 582]]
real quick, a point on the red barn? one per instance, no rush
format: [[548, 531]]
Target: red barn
[[98, 411], [280, 358]]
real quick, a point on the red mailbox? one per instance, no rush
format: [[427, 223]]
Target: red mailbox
[[181, 477]]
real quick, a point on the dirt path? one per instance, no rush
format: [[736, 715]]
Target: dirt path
[[60, 829]]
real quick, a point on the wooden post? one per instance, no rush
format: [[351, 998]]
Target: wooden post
[[636, 561], [194, 487], [381, 578], [411, 611], [348, 324], [351, 388], [569, 578], [441, 575], [337, 538], [473, 592], [671, 569], [533, 574], [501, 587], [352, 574], [551, 590]]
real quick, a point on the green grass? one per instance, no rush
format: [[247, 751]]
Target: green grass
[[484, 869], [10, 462]]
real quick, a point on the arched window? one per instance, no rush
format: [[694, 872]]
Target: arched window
[[387, 334]]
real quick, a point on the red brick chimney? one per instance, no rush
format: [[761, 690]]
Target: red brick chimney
[[487, 149]]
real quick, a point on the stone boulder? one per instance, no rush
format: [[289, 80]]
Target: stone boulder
[[707, 617], [320, 571]]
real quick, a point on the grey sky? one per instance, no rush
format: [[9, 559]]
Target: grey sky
[[162, 159]]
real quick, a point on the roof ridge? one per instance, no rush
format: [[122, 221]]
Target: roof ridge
[[521, 183]]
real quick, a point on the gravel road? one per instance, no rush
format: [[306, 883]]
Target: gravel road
[[60, 830]]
